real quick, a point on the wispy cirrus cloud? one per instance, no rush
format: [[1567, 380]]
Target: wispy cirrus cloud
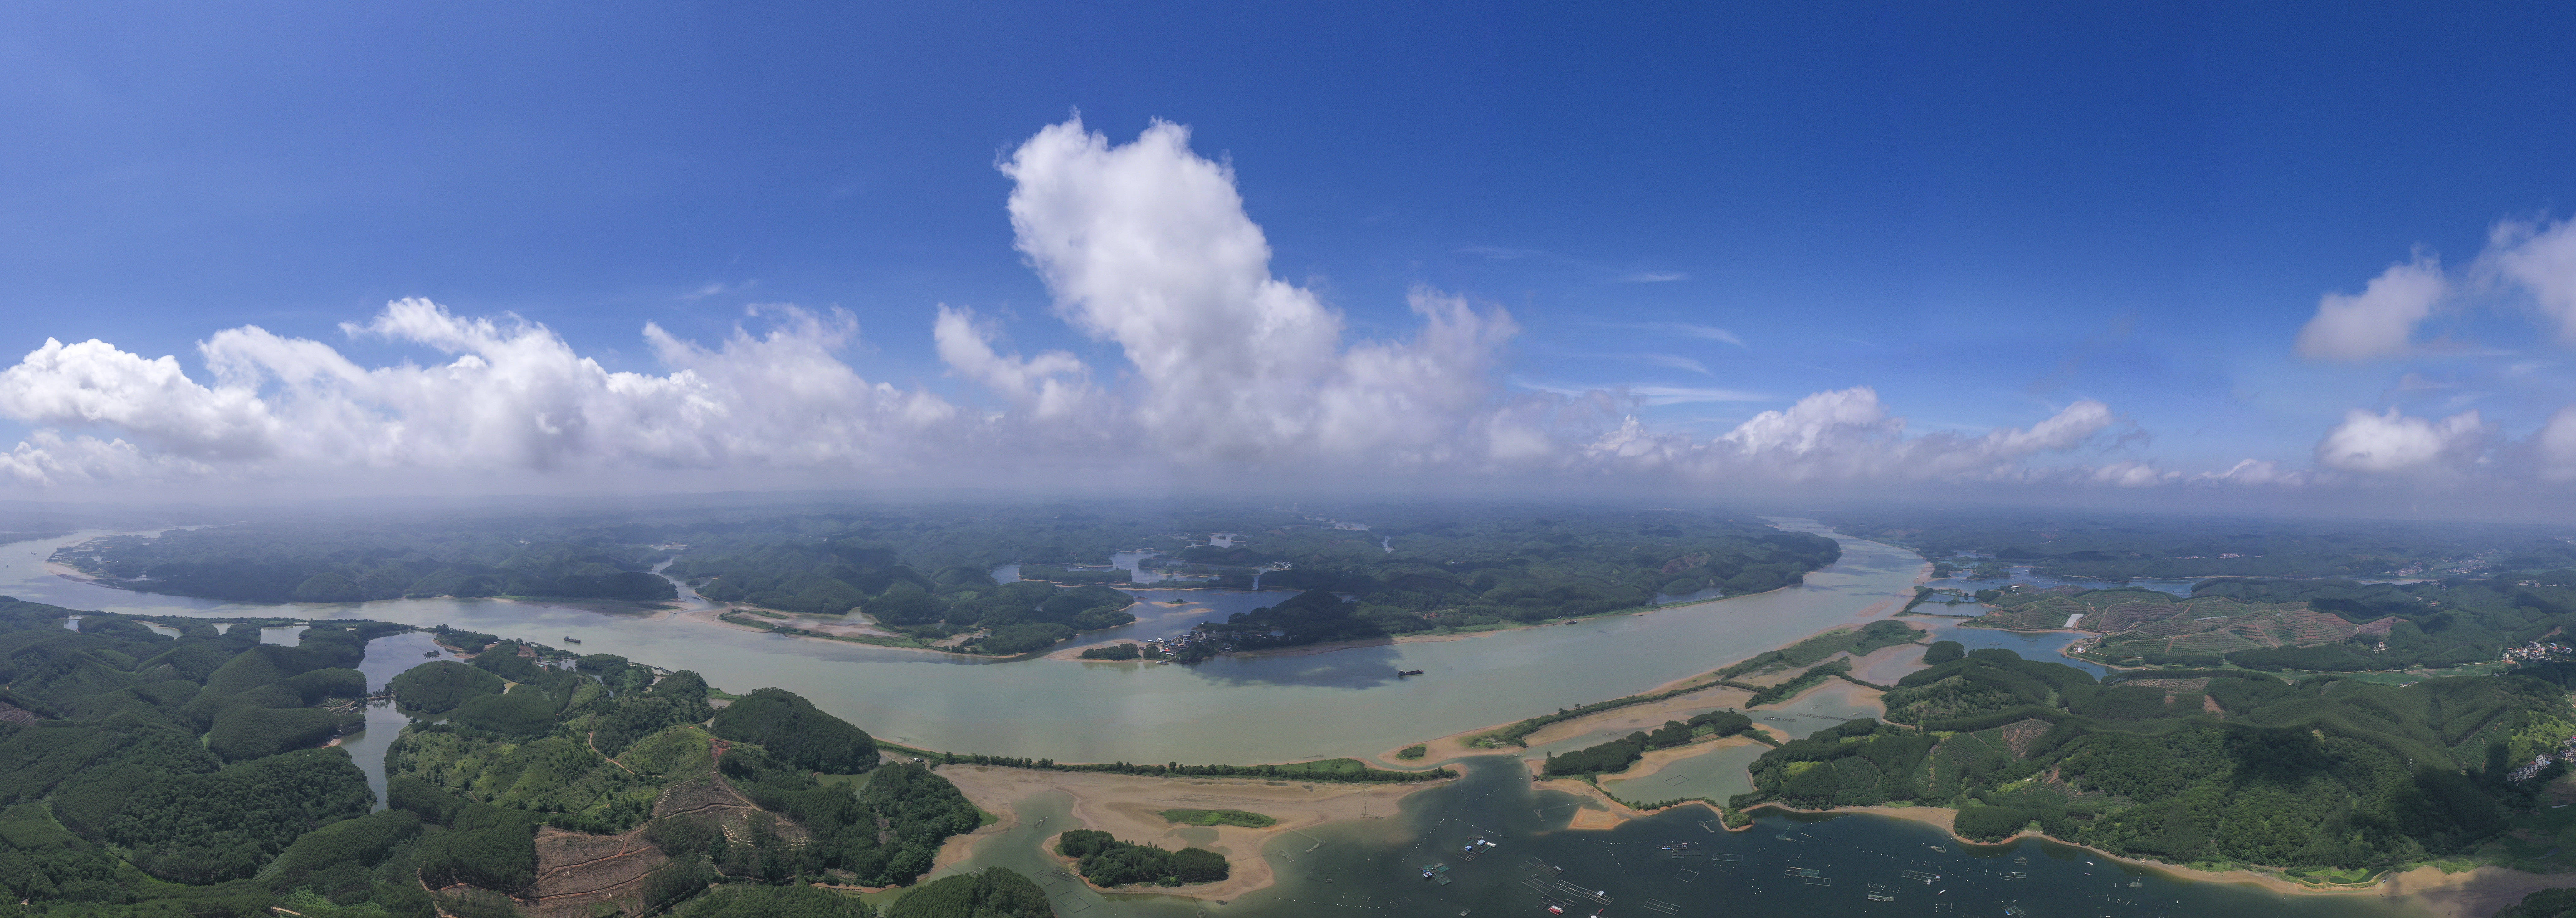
[[1674, 361], [1653, 277], [1684, 329], [1652, 396]]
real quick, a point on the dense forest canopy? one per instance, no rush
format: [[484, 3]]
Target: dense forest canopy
[[927, 570], [2217, 765], [304, 563], [185, 775]]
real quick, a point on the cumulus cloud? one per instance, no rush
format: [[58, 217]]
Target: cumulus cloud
[[1847, 435], [2556, 446], [1054, 384], [2541, 259], [514, 395], [2378, 322], [1145, 247], [2396, 444]]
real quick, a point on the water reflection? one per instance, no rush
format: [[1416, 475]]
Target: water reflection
[[2043, 645], [386, 658]]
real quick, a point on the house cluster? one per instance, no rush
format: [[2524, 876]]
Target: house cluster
[[2566, 752], [2538, 652]]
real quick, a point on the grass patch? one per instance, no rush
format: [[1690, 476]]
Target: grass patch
[[1242, 818], [1414, 751]]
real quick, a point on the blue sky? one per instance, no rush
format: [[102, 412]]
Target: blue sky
[[1985, 215]]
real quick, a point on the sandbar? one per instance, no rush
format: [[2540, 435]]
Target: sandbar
[[1128, 806]]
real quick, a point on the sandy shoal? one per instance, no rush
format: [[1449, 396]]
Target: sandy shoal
[[715, 617], [1653, 714], [68, 572], [1128, 806]]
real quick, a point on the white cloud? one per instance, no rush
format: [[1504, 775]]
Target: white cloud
[[1674, 361], [1685, 395], [2556, 445], [1228, 372], [1847, 435], [1709, 332], [2396, 444], [1147, 246], [1054, 384], [2257, 473], [513, 396], [2132, 475], [47, 458], [1653, 277], [2381, 320], [2541, 258]]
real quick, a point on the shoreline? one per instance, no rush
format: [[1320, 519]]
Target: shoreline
[[1446, 749], [1128, 807], [2478, 891]]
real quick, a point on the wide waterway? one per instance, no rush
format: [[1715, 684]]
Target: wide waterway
[[1281, 708], [1274, 708]]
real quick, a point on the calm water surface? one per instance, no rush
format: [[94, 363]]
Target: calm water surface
[[1259, 709]]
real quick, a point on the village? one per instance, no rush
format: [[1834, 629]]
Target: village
[[2538, 652]]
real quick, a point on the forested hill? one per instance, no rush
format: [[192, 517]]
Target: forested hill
[[328, 564], [928, 564], [2117, 547], [1419, 572], [2317, 625], [149, 775], [135, 766], [2223, 765]]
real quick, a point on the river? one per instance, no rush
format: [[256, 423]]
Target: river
[[1274, 708], [1343, 703]]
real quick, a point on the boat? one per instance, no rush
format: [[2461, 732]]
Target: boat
[[571, 640], [1401, 673], [429, 655]]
